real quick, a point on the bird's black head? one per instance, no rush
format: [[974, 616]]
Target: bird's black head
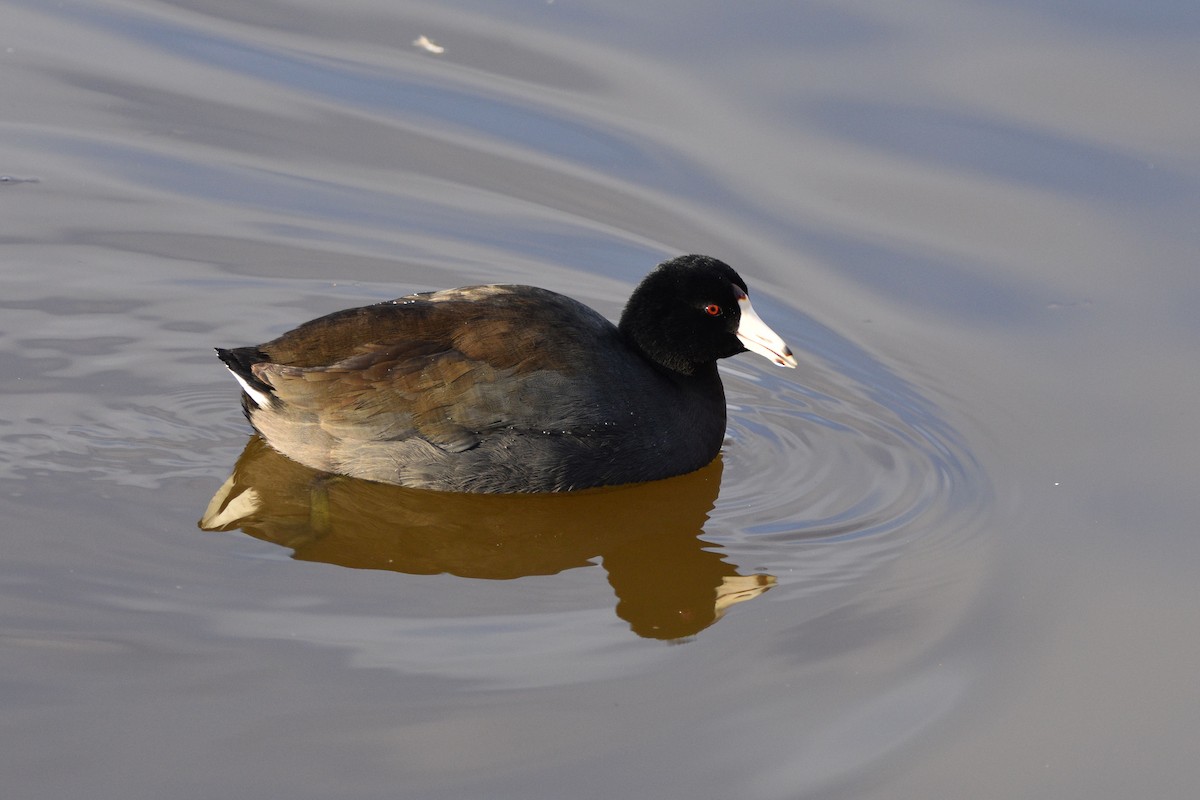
[[691, 311]]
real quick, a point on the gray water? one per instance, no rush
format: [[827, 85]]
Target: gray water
[[954, 554]]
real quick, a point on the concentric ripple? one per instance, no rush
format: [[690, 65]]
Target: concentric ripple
[[139, 443], [842, 456]]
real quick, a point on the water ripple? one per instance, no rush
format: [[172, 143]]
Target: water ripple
[[182, 433], [837, 470]]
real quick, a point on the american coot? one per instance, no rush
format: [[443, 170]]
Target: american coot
[[509, 388]]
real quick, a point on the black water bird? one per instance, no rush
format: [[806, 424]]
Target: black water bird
[[501, 389]]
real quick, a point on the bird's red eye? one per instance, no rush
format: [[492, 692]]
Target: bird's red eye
[[713, 310]]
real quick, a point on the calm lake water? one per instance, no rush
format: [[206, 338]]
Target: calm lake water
[[954, 554]]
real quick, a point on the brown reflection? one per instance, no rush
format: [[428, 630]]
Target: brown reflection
[[669, 582]]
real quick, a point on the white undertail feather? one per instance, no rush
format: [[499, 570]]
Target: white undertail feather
[[260, 398]]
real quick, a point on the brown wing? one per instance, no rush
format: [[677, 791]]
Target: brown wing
[[446, 367]]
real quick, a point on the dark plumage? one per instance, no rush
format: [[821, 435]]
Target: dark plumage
[[509, 388]]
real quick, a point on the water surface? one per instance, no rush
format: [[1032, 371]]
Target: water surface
[[951, 555]]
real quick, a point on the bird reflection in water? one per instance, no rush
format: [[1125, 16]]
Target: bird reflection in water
[[668, 581]]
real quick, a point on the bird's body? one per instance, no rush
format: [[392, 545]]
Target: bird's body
[[503, 388]]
